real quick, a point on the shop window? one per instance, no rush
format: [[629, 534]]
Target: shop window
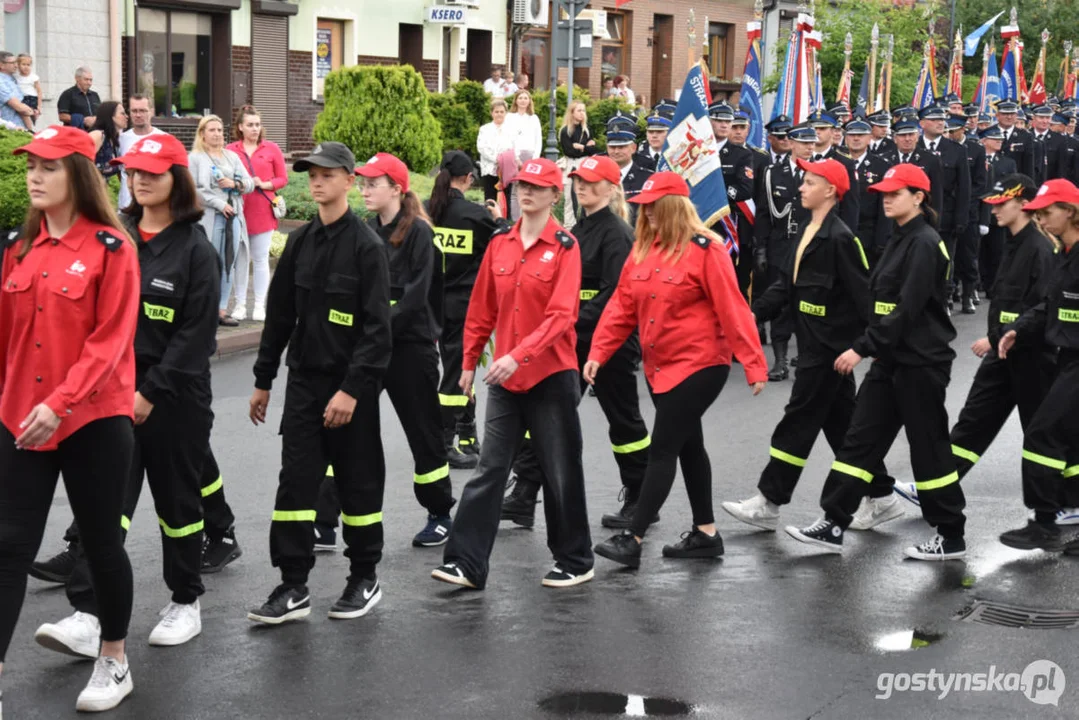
[[536, 60], [16, 38], [174, 61], [613, 47], [719, 38]]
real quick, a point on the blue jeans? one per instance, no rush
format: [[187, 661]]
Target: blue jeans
[[218, 240], [550, 410]]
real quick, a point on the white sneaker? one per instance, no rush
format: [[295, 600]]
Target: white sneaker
[[1068, 516], [78, 634], [908, 491], [259, 314], [179, 623], [876, 511], [757, 511], [108, 686], [240, 313]]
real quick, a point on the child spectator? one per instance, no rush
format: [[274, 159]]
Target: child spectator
[[30, 84]]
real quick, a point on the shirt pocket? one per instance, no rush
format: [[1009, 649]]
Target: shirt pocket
[[814, 289], [161, 308], [17, 292], [71, 287], [341, 291]]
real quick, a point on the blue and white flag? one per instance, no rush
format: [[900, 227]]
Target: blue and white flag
[[750, 97], [1009, 76], [970, 42]]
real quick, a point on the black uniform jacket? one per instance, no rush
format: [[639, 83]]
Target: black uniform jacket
[[829, 300], [874, 227], [779, 212], [908, 311], [997, 166], [979, 177], [1051, 157], [463, 232], [416, 282], [606, 241], [177, 331], [1056, 318], [1022, 280], [849, 206], [954, 184], [737, 164], [930, 163], [1019, 146], [329, 301], [886, 146]]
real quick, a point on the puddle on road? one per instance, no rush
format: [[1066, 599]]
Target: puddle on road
[[613, 704], [907, 640]]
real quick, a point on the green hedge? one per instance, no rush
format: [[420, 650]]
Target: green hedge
[[14, 200], [381, 109], [459, 131]]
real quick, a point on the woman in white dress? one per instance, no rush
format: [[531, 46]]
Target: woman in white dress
[[494, 138], [529, 137]]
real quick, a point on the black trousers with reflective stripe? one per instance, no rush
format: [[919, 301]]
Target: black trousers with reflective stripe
[[821, 400], [451, 348], [782, 327], [412, 384], [307, 448], [215, 509], [616, 391], [999, 386], [893, 397], [1050, 441]]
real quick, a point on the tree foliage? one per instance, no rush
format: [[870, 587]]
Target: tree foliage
[[459, 130], [16, 199]]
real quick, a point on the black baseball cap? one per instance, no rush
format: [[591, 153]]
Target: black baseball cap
[[457, 163], [327, 155], [1011, 187]]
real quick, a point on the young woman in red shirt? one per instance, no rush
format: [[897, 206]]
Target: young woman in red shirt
[[680, 290], [527, 294], [69, 299]]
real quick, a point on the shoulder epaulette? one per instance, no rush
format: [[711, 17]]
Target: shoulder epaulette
[[502, 230], [565, 238], [842, 152], [11, 237], [760, 150], [702, 240], [110, 241]]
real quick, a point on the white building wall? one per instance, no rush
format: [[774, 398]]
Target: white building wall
[[69, 34]]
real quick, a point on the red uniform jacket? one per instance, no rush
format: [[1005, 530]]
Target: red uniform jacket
[[689, 312], [529, 299], [68, 313]]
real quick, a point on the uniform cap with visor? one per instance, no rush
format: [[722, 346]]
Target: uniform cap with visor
[[388, 165], [599, 167], [904, 175], [831, 170], [154, 154], [779, 126], [1010, 187], [327, 155], [1052, 192], [59, 141], [660, 185], [803, 134], [540, 172], [457, 163]]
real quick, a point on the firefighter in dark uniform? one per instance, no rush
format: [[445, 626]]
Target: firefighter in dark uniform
[[1068, 148], [779, 214], [778, 142], [909, 335], [970, 112], [1050, 156], [909, 151], [746, 211], [966, 249], [881, 144], [736, 161], [1024, 377], [656, 136], [874, 227], [329, 302], [605, 241], [825, 125], [1018, 143], [622, 148], [826, 283], [463, 228], [1049, 447], [998, 165]]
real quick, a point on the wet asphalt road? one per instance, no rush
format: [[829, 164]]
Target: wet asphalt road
[[773, 630]]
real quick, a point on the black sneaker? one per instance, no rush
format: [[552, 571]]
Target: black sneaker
[[459, 460], [286, 603], [1035, 536], [695, 544], [357, 599], [622, 548], [450, 573], [436, 532], [325, 538], [823, 533], [56, 569], [520, 505], [622, 519], [216, 554], [559, 578], [466, 439], [938, 548]]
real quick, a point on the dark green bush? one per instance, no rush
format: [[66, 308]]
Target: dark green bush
[[601, 111], [14, 200], [542, 101], [381, 109], [472, 94], [459, 131]]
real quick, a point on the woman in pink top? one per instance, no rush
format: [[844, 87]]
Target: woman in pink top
[[266, 165]]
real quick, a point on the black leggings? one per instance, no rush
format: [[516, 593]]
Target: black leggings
[[95, 462], [490, 192], [677, 435]]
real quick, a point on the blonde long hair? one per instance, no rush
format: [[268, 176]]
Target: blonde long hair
[[199, 145], [567, 119], [618, 204], [676, 224]]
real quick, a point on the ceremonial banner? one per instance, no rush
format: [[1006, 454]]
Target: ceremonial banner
[[750, 97]]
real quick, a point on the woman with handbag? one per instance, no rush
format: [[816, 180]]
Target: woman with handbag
[[265, 163]]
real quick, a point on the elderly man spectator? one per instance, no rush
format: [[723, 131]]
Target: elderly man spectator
[[78, 104], [495, 86], [13, 110]]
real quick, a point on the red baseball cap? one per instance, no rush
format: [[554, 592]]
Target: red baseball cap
[[59, 141], [1053, 191], [599, 167], [154, 154], [541, 172], [904, 175], [661, 184], [832, 171], [388, 165]]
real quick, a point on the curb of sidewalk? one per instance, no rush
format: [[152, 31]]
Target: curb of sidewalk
[[238, 341]]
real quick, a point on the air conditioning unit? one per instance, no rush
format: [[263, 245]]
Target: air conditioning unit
[[532, 12]]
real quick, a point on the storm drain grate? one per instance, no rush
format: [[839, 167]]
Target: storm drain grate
[[987, 612]]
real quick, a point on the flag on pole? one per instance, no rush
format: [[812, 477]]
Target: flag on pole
[[1009, 80], [863, 91], [1038, 92], [970, 43], [924, 92], [793, 95], [691, 151], [955, 71], [1024, 91], [990, 91], [750, 97]]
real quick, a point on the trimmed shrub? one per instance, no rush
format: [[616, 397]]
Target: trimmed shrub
[[542, 100], [14, 200], [459, 131], [476, 99], [601, 111], [381, 109]]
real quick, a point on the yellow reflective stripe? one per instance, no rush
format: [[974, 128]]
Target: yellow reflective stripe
[[883, 308], [392, 303], [159, 312], [1071, 472], [852, 471], [944, 251], [453, 400], [1046, 461], [361, 520], [125, 522], [180, 532], [453, 241], [294, 516], [861, 251], [213, 487], [340, 318], [811, 309], [632, 447], [1008, 317], [787, 457], [938, 482], [589, 294], [528, 435], [965, 454], [433, 476], [1068, 315], [329, 471], [464, 441]]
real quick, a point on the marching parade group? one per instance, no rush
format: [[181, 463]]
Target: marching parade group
[[858, 238]]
